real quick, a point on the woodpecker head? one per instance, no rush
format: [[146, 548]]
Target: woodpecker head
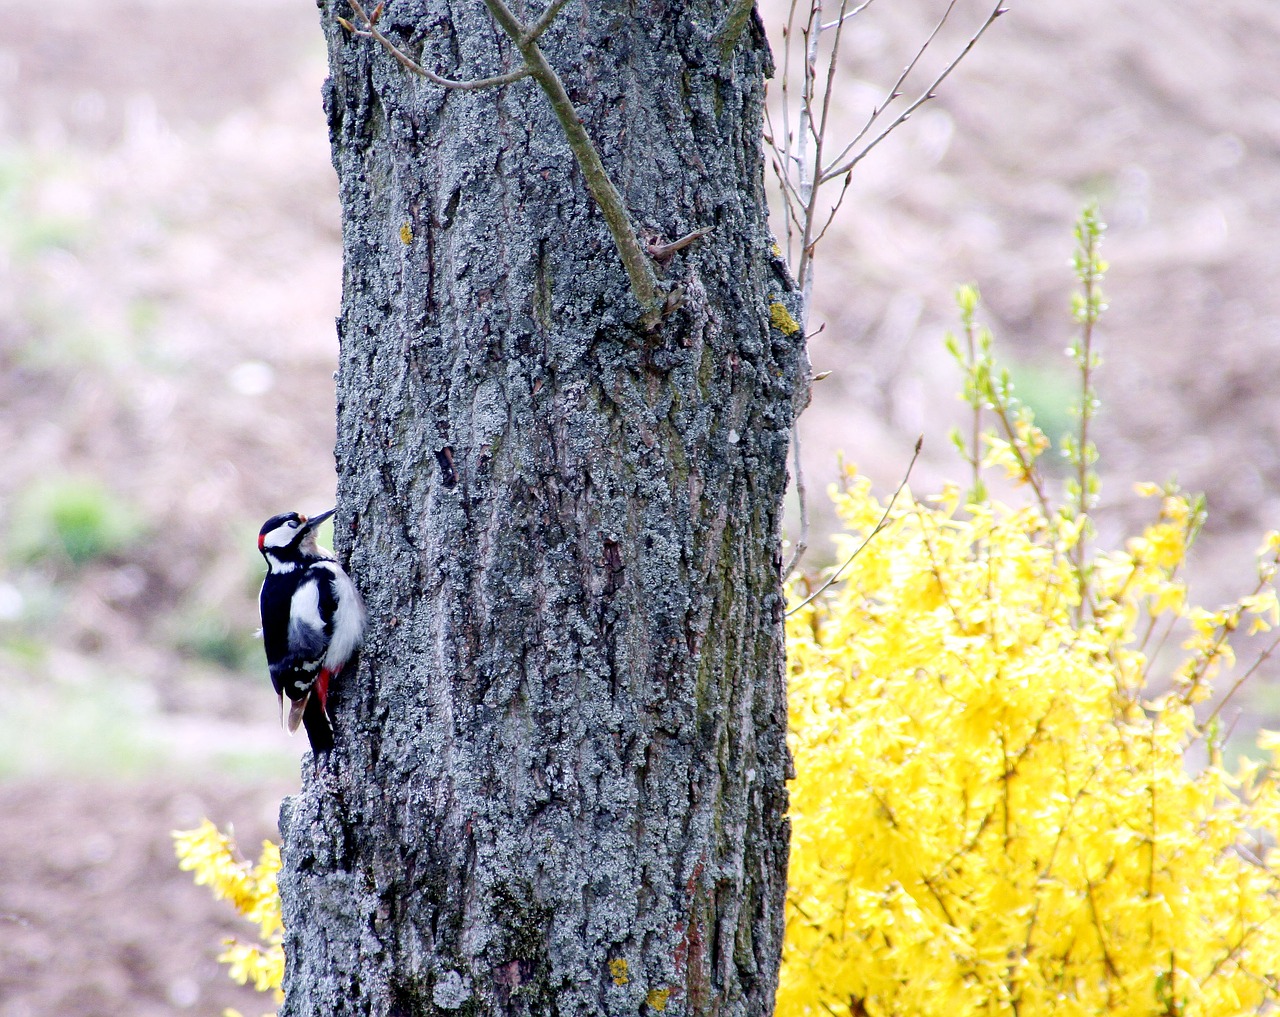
[[288, 539]]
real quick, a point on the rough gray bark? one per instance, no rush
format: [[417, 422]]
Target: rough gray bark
[[558, 786]]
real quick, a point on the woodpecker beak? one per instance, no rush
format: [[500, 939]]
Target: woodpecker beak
[[314, 521]]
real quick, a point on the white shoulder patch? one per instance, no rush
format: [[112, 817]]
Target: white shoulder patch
[[348, 619], [304, 609]]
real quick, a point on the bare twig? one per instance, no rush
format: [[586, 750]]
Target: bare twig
[[370, 31], [884, 521], [644, 283], [660, 252], [792, 214], [812, 35], [532, 33], [831, 215], [802, 542], [848, 15], [895, 90], [782, 144], [801, 156], [780, 156], [811, 174], [1261, 659], [929, 93]]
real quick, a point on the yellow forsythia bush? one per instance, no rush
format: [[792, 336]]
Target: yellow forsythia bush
[[994, 810], [251, 888]]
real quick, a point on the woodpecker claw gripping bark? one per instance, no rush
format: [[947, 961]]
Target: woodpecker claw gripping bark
[[312, 621]]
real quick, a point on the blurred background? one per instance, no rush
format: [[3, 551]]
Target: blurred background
[[170, 272]]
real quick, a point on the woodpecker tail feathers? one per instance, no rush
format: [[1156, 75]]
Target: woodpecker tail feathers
[[316, 721], [296, 709], [311, 712]]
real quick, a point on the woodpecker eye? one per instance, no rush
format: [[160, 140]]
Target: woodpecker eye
[[293, 524]]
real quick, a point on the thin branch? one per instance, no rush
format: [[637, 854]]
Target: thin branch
[[792, 218], [784, 151], [802, 543], [803, 165], [847, 15], [1091, 897], [1029, 471], [660, 252], [644, 283], [1089, 269], [924, 97], [782, 159], [811, 36], [832, 64], [813, 177], [532, 33], [884, 521], [1261, 659], [835, 207], [895, 91], [810, 171], [370, 31], [1245, 934]]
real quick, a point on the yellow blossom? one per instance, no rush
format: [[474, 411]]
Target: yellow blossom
[[992, 814], [251, 888]]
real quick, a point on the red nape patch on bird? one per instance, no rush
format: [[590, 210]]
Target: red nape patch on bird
[[261, 537]]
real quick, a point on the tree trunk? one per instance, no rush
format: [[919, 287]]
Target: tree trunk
[[558, 785]]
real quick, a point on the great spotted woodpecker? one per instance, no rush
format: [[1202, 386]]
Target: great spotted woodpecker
[[312, 621]]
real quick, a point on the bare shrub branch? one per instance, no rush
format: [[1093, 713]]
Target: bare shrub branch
[[800, 157], [929, 93], [884, 521]]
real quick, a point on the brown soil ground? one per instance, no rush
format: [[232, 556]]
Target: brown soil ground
[[169, 274], [95, 918]]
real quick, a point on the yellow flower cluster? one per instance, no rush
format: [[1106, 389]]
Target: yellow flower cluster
[[994, 810], [251, 888]]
